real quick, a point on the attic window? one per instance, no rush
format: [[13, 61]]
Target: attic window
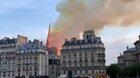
[[75, 42], [85, 41]]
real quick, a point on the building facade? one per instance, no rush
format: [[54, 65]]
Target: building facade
[[54, 63], [8, 50], [83, 57], [32, 60], [20, 58], [130, 56]]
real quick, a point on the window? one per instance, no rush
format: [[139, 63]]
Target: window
[[35, 73], [75, 61], [64, 62], [30, 68], [19, 59], [35, 68], [18, 68], [4, 74], [35, 57], [80, 54], [80, 71], [23, 69], [30, 57], [8, 73], [80, 64], [86, 64], [86, 71], [18, 74], [80, 60], [27, 58]]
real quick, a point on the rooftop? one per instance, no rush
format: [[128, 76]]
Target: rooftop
[[7, 40], [36, 44], [121, 56], [80, 42], [138, 41], [132, 49], [88, 38]]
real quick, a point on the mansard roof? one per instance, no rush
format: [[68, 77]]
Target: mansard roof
[[121, 56], [137, 42], [32, 45], [8, 41], [132, 49], [83, 42]]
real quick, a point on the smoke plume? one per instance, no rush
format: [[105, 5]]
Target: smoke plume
[[79, 15]]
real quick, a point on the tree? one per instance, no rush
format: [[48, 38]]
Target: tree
[[130, 71], [113, 71]]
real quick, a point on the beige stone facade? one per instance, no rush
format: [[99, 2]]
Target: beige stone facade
[[84, 56], [130, 56], [22, 58]]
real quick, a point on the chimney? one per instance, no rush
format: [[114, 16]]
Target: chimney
[[139, 37], [22, 40], [36, 41], [127, 47], [73, 39], [120, 54], [65, 40]]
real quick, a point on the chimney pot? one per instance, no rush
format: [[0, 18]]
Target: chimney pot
[[120, 54], [65, 39], [127, 47]]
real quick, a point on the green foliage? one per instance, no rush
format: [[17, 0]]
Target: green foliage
[[113, 70]]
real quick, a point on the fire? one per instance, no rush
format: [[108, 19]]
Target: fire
[[79, 15], [53, 41]]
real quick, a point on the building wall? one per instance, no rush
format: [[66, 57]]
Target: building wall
[[121, 61], [33, 60], [54, 63], [7, 58], [7, 65], [128, 58], [26, 59], [33, 64], [138, 58], [131, 55], [83, 57]]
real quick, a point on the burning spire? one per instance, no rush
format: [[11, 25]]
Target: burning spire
[[48, 38]]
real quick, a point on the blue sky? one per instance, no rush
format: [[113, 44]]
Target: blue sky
[[27, 17]]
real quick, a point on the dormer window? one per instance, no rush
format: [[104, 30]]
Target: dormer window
[[86, 41], [89, 34], [75, 42]]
